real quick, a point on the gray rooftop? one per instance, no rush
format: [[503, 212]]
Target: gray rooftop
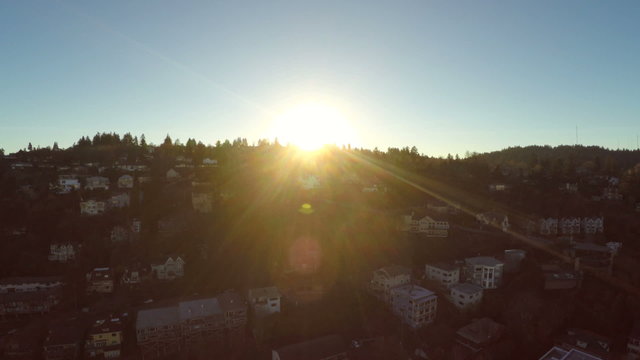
[[445, 266], [198, 308], [467, 288], [413, 291], [394, 270], [483, 260], [267, 292], [231, 301], [158, 317]]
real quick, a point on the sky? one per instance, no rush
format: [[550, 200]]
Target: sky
[[445, 76]]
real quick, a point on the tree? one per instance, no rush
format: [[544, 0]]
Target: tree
[[30, 147], [167, 141], [55, 146], [143, 141]]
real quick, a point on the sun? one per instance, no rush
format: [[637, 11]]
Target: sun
[[311, 125]]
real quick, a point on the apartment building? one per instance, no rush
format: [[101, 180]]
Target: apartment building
[[97, 182], [465, 296], [388, 277], [414, 305], [425, 225], [100, 280], [484, 271], [444, 273], [264, 301], [104, 339]]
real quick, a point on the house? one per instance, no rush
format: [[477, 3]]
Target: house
[[217, 321], [97, 182], [569, 188], [611, 193], [100, 280], [136, 226], [125, 182], [92, 207], [570, 225], [593, 256], [585, 341], [264, 301], [331, 347], [171, 174], [29, 302], [498, 187], [484, 271], [135, 274], [386, 278], [444, 273], [494, 219], [67, 183], [209, 162], [425, 225], [170, 268], [558, 353], [104, 339], [594, 225], [466, 295], [633, 343], [480, 334], [414, 305], [62, 252], [29, 284], [548, 226], [119, 201], [63, 340], [201, 202]]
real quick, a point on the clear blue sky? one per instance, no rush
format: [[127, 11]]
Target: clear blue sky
[[446, 76]]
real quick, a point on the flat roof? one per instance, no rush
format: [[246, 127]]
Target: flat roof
[[445, 266], [483, 260], [467, 288]]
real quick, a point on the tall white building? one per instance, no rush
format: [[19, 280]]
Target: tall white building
[[446, 274], [386, 278], [484, 271], [466, 295], [415, 305]]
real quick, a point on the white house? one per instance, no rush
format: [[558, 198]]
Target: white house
[[570, 225], [594, 225], [29, 284], [119, 201], [549, 226], [386, 278], [125, 182], [264, 301], [466, 295], [415, 305], [425, 225], [92, 207], [97, 182], [495, 219], [484, 271], [446, 274], [62, 252], [68, 183], [119, 234], [171, 268], [210, 162]]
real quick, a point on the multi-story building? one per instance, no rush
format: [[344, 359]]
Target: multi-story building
[[92, 207], [388, 277], [558, 353], [104, 339], [201, 202], [218, 321], [585, 341], [97, 182], [67, 183], [330, 347], [100, 280], [29, 284], [425, 225], [549, 226], [125, 182], [465, 295], [633, 343], [415, 305], [119, 201], [135, 274], [593, 225], [171, 268], [264, 301], [477, 336], [446, 274], [484, 271], [570, 225], [30, 302], [62, 252]]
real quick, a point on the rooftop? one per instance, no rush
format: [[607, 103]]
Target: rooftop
[[481, 331], [483, 260], [558, 353], [412, 291], [267, 292], [158, 317], [467, 288], [445, 266], [199, 308], [30, 280], [316, 349], [394, 270]]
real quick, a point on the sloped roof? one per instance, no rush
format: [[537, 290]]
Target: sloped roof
[[158, 317], [199, 308], [481, 331]]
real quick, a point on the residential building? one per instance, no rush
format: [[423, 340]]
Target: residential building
[[331, 347], [444, 273], [480, 334], [465, 295], [125, 181], [171, 174], [63, 340], [92, 207], [570, 225], [97, 182], [29, 284], [218, 321], [388, 277], [633, 343], [593, 256], [62, 252], [415, 305], [611, 193], [549, 226], [484, 271], [202, 202], [104, 339], [425, 225], [135, 274], [593, 225], [119, 234], [171, 268], [264, 301], [210, 162], [569, 188], [586, 341], [512, 259], [100, 280], [498, 187], [494, 219], [29, 302], [119, 201], [559, 278], [68, 183], [558, 353]]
